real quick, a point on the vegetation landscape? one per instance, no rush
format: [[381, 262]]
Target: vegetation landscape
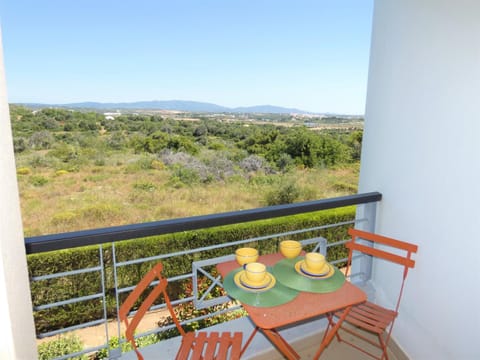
[[82, 169], [88, 168]]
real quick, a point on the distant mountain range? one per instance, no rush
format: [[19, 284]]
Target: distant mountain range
[[180, 105]]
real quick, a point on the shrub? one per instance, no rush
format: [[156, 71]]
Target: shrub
[[144, 163], [23, 171], [99, 162], [117, 140], [286, 193], [145, 186], [19, 145], [216, 145], [342, 186], [158, 165], [62, 346], [64, 152], [254, 163], [38, 180], [285, 162], [114, 343], [38, 161], [41, 140], [182, 175], [64, 218], [102, 212], [61, 172]]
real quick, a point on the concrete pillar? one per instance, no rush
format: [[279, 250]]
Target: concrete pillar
[[17, 332]]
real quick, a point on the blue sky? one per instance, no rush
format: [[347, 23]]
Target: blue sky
[[312, 55]]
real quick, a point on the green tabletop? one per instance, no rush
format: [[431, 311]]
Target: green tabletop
[[285, 273], [277, 295]]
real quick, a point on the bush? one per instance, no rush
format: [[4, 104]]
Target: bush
[[62, 346], [144, 163], [181, 175], [145, 186], [114, 343], [102, 212], [285, 193], [99, 162], [23, 171], [19, 145], [61, 172], [38, 161], [254, 163], [342, 186], [41, 140], [64, 152], [64, 218], [38, 180]]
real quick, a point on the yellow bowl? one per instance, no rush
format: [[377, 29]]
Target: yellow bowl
[[246, 255], [315, 262], [255, 272], [290, 248]]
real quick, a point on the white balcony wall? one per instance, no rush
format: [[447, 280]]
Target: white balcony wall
[[421, 150], [17, 334]]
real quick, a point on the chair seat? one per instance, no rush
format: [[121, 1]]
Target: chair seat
[[210, 346], [370, 316]]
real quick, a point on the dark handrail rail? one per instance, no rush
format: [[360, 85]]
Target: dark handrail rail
[[38, 244]]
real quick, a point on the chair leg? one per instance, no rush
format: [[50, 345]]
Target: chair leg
[[383, 346], [285, 348], [249, 340], [332, 324]]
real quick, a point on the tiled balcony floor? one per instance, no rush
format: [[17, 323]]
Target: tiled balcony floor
[[262, 349], [335, 351]]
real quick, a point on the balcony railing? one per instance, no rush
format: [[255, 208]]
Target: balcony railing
[[184, 246]]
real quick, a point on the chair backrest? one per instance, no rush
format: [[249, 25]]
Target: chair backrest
[[385, 253], [155, 274]]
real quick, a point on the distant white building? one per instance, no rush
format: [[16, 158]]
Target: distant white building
[[111, 115]]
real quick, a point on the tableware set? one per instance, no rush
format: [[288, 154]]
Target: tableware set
[[254, 277]]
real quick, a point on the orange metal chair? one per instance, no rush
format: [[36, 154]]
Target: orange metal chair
[[195, 345], [369, 316]]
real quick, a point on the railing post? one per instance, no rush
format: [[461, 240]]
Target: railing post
[[116, 353], [365, 220]]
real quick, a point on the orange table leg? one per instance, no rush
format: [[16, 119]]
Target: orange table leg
[[327, 338], [281, 344]]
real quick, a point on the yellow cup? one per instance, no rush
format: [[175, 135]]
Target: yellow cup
[[255, 272], [246, 255], [315, 262], [290, 248]]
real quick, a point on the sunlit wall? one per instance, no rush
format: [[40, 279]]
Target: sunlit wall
[[422, 152], [17, 334]]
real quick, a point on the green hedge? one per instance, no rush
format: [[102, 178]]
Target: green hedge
[[54, 290]]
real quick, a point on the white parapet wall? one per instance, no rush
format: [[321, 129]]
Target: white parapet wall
[[17, 333]]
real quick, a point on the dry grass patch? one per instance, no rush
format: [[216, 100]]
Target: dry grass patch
[[109, 195]]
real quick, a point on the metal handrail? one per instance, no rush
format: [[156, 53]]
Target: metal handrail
[[39, 244]]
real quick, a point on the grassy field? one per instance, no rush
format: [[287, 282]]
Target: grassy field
[[122, 192]]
